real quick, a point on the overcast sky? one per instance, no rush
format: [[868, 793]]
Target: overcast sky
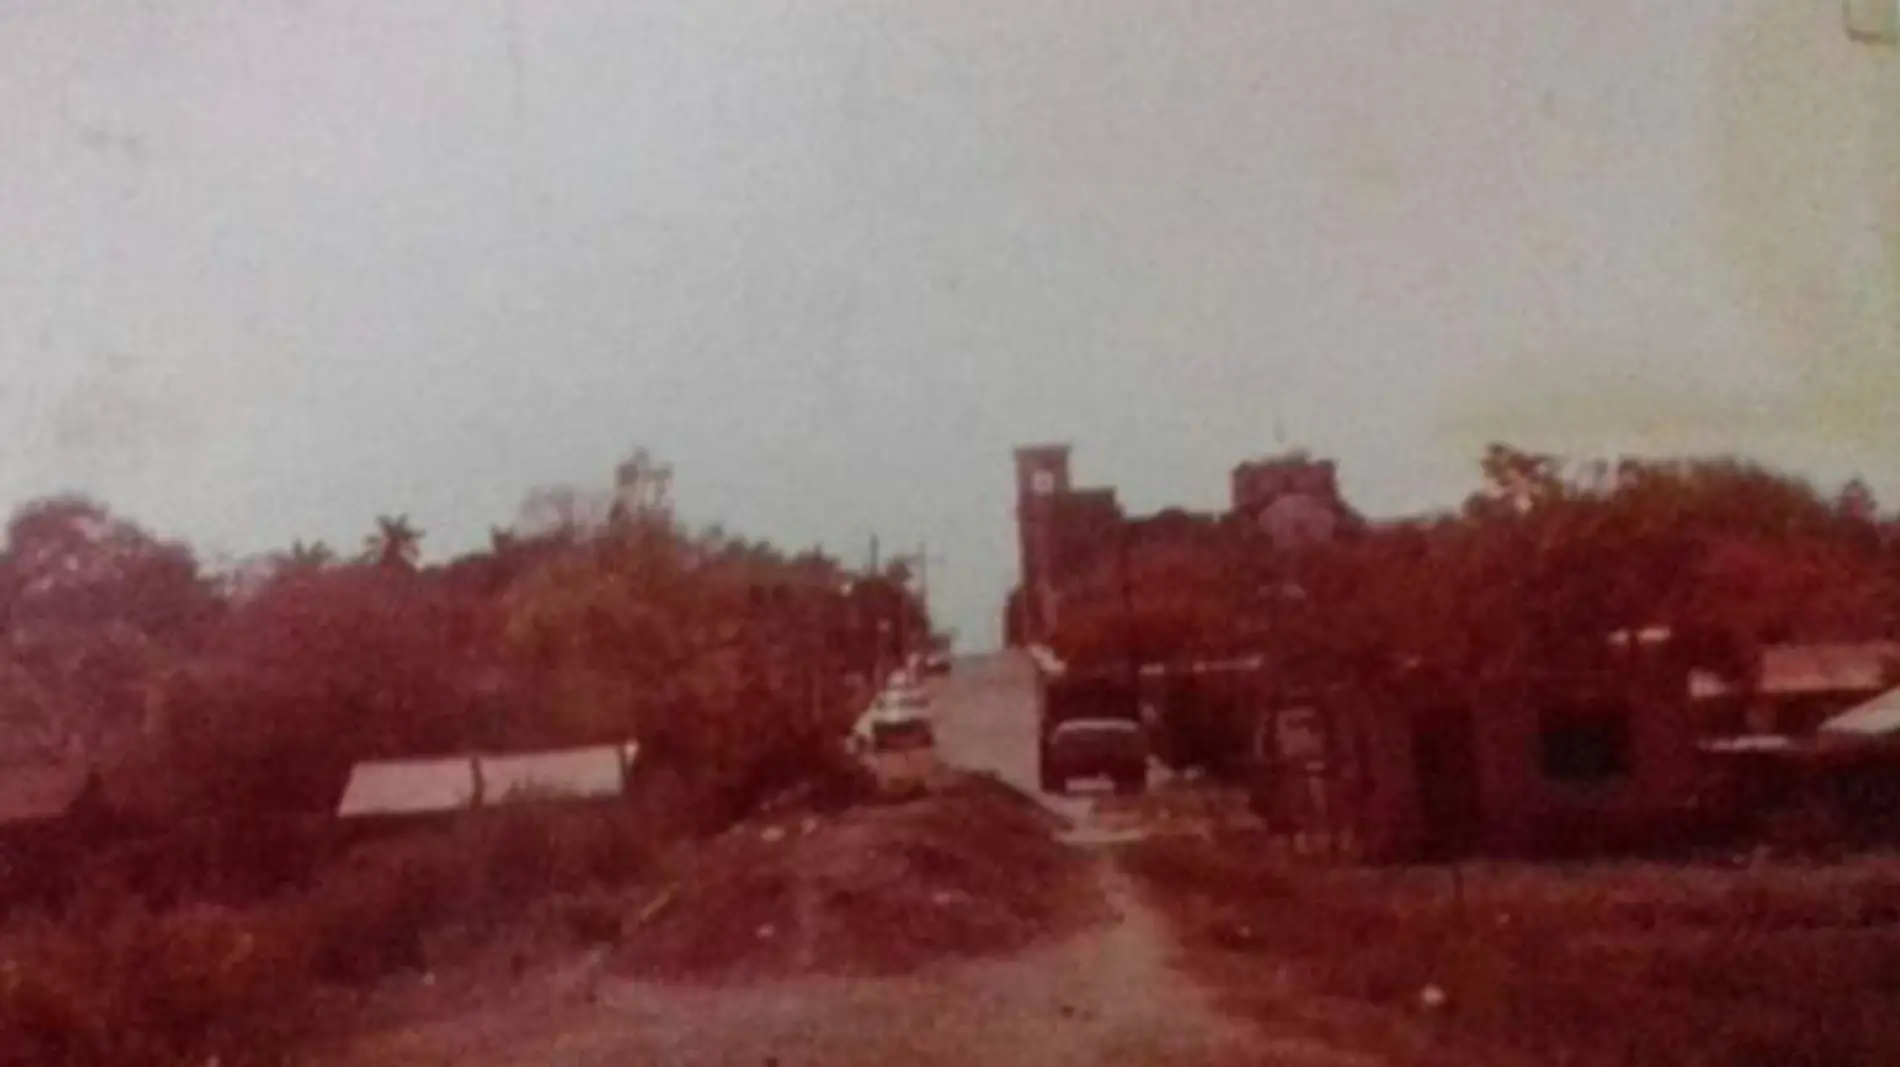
[[271, 267]]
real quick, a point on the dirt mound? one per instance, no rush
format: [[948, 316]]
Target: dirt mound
[[973, 870]]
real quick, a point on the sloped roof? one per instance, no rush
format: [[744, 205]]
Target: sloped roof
[[455, 783], [409, 787], [1877, 717], [1794, 670], [574, 772], [1747, 743]]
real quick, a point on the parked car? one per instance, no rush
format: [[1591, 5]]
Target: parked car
[[904, 696], [1116, 749], [937, 664], [899, 747]]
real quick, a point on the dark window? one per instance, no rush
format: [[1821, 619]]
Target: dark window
[[1585, 745]]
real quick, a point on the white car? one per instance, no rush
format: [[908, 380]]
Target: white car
[[899, 746], [905, 698]]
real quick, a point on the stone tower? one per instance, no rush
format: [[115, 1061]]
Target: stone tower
[[1042, 479]]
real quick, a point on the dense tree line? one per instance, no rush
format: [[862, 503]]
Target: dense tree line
[[597, 616], [1537, 569]]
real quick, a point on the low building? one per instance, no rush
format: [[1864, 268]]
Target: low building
[[51, 814], [433, 786], [1796, 688], [1418, 766]]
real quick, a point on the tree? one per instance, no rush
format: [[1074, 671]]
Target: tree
[[318, 670], [92, 608], [563, 512], [69, 561], [1553, 557], [306, 556], [395, 545], [611, 621], [1152, 599]]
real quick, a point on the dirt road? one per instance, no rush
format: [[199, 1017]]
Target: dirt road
[[1106, 996]]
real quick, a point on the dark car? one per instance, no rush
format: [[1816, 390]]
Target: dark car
[[1116, 749]]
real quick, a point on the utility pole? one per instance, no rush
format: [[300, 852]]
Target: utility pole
[[923, 577], [924, 560], [1131, 648]]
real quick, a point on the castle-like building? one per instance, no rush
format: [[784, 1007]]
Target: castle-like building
[[1276, 502]]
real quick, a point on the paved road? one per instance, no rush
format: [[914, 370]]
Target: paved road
[[986, 720], [985, 714]]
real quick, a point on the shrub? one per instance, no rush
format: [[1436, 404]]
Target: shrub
[[372, 915], [367, 917], [530, 849], [1596, 964], [179, 988]]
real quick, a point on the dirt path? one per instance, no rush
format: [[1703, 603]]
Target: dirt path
[[1107, 996]]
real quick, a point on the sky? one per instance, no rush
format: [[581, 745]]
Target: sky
[[270, 268]]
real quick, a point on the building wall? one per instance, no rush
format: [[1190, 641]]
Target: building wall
[[1063, 531], [1510, 806], [1259, 482], [1042, 477], [1526, 811]]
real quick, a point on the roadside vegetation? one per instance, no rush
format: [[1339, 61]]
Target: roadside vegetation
[[1531, 572], [213, 910], [1597, 964], [1606, 963]]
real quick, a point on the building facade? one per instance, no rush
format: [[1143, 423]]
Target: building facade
[[1277, 502]]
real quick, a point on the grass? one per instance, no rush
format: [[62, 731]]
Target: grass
[[1628, 964], [115, 982]]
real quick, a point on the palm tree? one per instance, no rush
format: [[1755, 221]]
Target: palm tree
[[503, 541], [396, 543], [308, 555]]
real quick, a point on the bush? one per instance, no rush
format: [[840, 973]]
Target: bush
[[373, 914], [139, 988], [367, 918], [115, 983], [1586, 964]]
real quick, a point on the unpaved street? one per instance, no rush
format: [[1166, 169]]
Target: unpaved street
[[1107, 995]]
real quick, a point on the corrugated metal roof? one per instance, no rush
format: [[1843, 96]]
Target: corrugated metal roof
[[1748, 743], [450, 783], [1877, 717], [1793, 670], [409, 787], [1827, 668], [574, 772]]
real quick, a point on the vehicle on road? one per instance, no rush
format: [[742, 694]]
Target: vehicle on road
[[937, 664], [899, 747], [1095, 696], [1115, 749], [904, 695]]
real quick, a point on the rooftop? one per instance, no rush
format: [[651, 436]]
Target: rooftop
[[463, 782]]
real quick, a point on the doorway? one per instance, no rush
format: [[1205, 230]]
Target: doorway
[[1451, 806]]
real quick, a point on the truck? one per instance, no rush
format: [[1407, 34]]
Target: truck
[[1089, 724]]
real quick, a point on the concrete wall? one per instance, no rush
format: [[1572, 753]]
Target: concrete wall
[[1527, 812]]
